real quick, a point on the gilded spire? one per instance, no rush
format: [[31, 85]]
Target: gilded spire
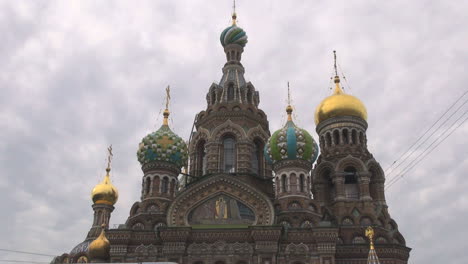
[[372, 258], [166, 111], [338, 89], [289, 108], [370, 235], [234, 14]]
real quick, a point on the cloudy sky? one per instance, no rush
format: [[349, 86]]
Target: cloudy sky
[[76, 76]]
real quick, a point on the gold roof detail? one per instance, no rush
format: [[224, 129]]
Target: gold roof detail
[[105, 192], [339, 104], [100, 247]]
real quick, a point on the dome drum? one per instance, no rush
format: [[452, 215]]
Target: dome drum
[[341, 121]]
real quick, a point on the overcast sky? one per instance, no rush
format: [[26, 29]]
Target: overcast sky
[[76, 76]]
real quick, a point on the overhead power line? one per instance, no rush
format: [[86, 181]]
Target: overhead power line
[[24, 252], [425, 152], [411, 150]]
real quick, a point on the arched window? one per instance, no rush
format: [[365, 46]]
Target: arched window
[[148, 185], [354, 136], [283, 183], [165, 185], [345, 136], [351, 183], [257, 158], [249, 96], [213, 97], [336, 137], [361, 138], [201, 159], [229, 149], [230, 92], [173, 186], [328, 140], [301, 183]]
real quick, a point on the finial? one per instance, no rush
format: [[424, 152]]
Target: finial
[[370, 235], [234, 15], [337, 79], [289, 108], [109, 159], [166, 111]]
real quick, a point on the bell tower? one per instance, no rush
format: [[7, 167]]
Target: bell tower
[[347, 180]]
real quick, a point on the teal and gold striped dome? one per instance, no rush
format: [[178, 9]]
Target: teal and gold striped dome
[[291, 142], [233, 34], [163, 145]]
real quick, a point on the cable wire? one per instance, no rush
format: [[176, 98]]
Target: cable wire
[[24, 252], [427, 138], [411, 165], [427, 130]]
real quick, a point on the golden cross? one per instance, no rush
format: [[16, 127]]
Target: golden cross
[[370, 235], [289, 95], [334, 55], [164, 141], [168, 96], [109, 157]]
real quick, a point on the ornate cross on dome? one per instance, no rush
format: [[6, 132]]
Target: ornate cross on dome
[[168, 96], [234, 15], [109, 158], [370, 235]]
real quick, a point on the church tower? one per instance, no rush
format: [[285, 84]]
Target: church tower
[[292, 151], [161, 154], [231, 133], [347, 181]]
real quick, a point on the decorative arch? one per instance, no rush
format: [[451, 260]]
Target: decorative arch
[[320, 171], [212, 187], [201, 134], [350, 161], [228, 127]]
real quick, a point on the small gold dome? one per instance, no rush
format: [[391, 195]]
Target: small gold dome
[[339, 104], [105, 192], [100, 247]]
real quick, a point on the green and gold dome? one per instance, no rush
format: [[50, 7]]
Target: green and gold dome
[[233, 34], [163, 145], [290, 143]]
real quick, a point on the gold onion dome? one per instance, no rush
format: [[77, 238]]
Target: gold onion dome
[[100, 247], [105, 192], [339, 104]]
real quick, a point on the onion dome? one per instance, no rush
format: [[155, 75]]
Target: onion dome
[[105, 192], [233, 34], [291, 142], [99, 249], [163, 145], [339, 104]]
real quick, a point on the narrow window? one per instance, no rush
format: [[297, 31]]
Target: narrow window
[[230, 92], [301, 183], [351, 183], [229, 149], [345, 136], [213, 97], [148, 185], [283, 183], [354, 137], [257, 158], [165, 185], [201, 159], [328, 140], [336, 137], [361, 138]]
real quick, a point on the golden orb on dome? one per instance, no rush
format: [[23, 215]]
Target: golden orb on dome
[[105, 192], [100, 247], [339, 104]]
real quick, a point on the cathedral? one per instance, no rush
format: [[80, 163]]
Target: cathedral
[[236, 193]]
